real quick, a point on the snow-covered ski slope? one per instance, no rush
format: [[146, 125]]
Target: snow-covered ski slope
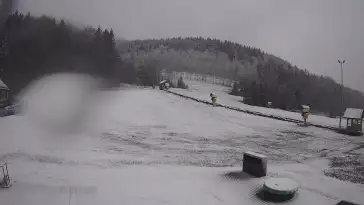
[[144, 146], [202, 90]]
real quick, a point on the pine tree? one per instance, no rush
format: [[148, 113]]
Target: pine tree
[[181, 83], [106, 38], [98, 35], [4, 47], [109, 42], [4, 51], [235, 89], [112, 39], [62, 24]]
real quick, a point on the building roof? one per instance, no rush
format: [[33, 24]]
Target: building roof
[[163, 81], [353, 113], [3, 86]]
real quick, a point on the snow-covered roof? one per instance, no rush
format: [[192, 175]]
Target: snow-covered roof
[[253, 154], [3, 86], [353, 113], [163, 81]]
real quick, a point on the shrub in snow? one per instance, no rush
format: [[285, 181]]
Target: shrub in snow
[[181, 83], [235, 90], [347, 168]]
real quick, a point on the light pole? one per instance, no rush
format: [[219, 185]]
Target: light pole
[[342, 89]]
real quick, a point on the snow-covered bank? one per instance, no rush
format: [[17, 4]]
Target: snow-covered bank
[[201, 90], [153, 185], [145, 146], [145, 126]]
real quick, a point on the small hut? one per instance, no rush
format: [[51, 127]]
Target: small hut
[[4, 95], [354, 120]]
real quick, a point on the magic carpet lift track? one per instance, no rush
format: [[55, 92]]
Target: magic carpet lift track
[[253, 112]]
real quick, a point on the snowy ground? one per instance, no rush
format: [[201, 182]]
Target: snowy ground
[[201, 90], [348, 166], [143, 146]]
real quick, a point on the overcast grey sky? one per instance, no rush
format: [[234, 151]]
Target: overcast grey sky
[[311, 34]]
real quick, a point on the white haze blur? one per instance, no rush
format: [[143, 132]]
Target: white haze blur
[[59, 102]]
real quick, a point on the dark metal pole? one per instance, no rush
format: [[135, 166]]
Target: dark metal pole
[[342, 85], [341, 90]]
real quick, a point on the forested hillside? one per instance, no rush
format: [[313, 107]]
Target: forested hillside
[[260, 77], [199, 55], [31, 47]]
